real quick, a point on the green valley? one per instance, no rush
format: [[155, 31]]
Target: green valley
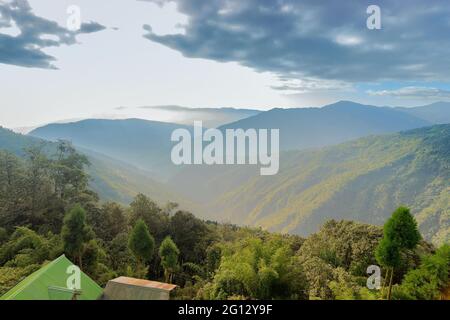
[[362, 180]]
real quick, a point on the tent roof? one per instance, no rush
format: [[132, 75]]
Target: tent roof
[[49, 283]]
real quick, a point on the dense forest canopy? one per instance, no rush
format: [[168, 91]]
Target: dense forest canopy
[[47, 208]]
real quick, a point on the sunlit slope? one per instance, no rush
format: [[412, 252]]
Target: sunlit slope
[[363, 180]]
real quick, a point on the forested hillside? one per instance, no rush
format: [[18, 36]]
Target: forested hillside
[[362, 180], [47, 209], [110, 178]]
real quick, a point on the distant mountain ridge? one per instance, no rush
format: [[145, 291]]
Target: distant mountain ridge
[[144, 144], [438, 112], [211, 117], [304, 128]]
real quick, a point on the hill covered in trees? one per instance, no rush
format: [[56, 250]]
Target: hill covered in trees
[[46, 209], [362, 180], [111, 179]]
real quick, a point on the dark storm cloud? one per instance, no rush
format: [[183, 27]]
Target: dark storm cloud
[[319, 40], [35, 33]]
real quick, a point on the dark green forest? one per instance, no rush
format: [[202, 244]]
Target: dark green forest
[[47, 209]]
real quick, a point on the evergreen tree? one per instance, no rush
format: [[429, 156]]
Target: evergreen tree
[[156, 220], [168, 252], [399, 233], [76, 233], [141, 242]]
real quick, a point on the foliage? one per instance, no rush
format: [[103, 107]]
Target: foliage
[[399, 234], [346, 287], [344, 244], [10, 276], [76, 233], [156, 220], [168, 252], [108, 221], [192, 236], [141, 242], [46, 209], [430, 279], [257, 269], [401, 229], [362, 180]]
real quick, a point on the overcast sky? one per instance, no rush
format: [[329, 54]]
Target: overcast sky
[[216, 53]]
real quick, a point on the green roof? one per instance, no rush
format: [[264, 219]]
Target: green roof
[[49, 283]]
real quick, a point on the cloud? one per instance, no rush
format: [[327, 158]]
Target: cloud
[[295, 86], [308, 39], [34, 34], [211, 117], [166, 107], [191, 109], [413, 93], [91, 26]]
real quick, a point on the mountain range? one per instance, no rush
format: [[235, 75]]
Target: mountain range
[[438, 112], [141, 143], [302, 128], [344, 160], [146, 144]]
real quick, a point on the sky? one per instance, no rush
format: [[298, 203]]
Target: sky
[[257, 54]]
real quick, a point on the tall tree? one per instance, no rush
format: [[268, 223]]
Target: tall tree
[[15, 196], [399, 233], [76, 233], [37, 173], [141, 242], [192, 236], [68, 172], [168, 252], [108, 221], [157, 221]]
